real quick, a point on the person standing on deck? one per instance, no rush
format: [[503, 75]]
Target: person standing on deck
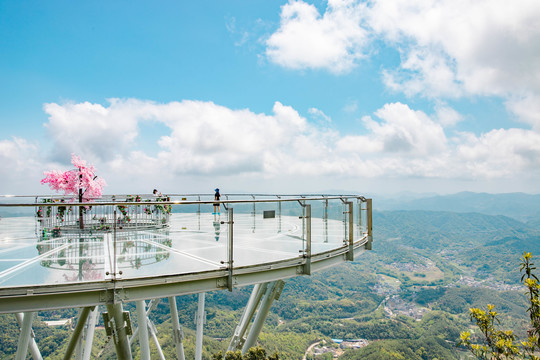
[[217, 195]]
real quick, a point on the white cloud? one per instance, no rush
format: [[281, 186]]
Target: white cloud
[[500, 153], [87, 128], [402, 131], [206, 140], [527, 109], [20, 161], [17, 154], [351, 106], [319, 115], [447, 116], [486, 47], [307, 39], [424, 71]]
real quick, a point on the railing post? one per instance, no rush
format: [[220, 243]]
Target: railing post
[[326, 210], [359, 216], [279, 214], [307, 265], [303, 203], [350, 253], [369, 224], [230, 250], [114, 246]]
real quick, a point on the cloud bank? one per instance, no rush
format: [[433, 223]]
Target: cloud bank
[[204, 138]]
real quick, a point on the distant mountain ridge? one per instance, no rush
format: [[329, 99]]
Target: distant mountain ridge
[[435, 229], [520, 206]]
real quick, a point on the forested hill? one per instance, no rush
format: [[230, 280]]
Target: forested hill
[[486, 245], [433, 229]]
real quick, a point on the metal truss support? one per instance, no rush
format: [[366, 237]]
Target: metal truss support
[[273, 291], [79, 347], [34, 350], [238, 338], [120, 331], [178, 334], [150, 328], [150, 306], [153, 333], [143, 330], [200, 319], [76, 336], [87, 353], [24, 338]]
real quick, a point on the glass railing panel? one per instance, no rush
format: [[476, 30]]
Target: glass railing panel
[[44, 244], [267, 232]]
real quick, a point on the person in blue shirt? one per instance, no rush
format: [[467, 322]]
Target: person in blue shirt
[[217, 195]]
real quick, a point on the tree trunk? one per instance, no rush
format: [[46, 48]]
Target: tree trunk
[[81, 221]]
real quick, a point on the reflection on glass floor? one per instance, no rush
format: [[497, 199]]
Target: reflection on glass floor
[[192, 243]]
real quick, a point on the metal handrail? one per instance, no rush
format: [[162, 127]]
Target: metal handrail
[[179, 202]]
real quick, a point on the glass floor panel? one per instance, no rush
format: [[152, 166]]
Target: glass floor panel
[[191, 243]]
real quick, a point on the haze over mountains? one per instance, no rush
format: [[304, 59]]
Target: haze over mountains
[[520, 206]]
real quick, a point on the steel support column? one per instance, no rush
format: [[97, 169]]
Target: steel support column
[[238, 338], [75, 337], [24, 337], [273, 291], [34, 350], [178, 334], [153, 332], [123, 350], [200, 320], [90, 334], [143, 330]]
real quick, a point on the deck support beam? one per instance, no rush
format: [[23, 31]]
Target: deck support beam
[[90, 334], [178, 334], [76, 336], [143, 330], [273, 291], [153, 332], [238, 338], [200, 319], [34, 350], [24, 338], [123, 350]]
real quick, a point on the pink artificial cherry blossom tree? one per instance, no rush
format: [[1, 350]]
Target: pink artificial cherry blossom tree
[[81, 182]]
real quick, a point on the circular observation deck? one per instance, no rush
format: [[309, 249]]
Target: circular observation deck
[[129, 251]]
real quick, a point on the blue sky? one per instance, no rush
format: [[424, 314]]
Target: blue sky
[[375, 97]]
